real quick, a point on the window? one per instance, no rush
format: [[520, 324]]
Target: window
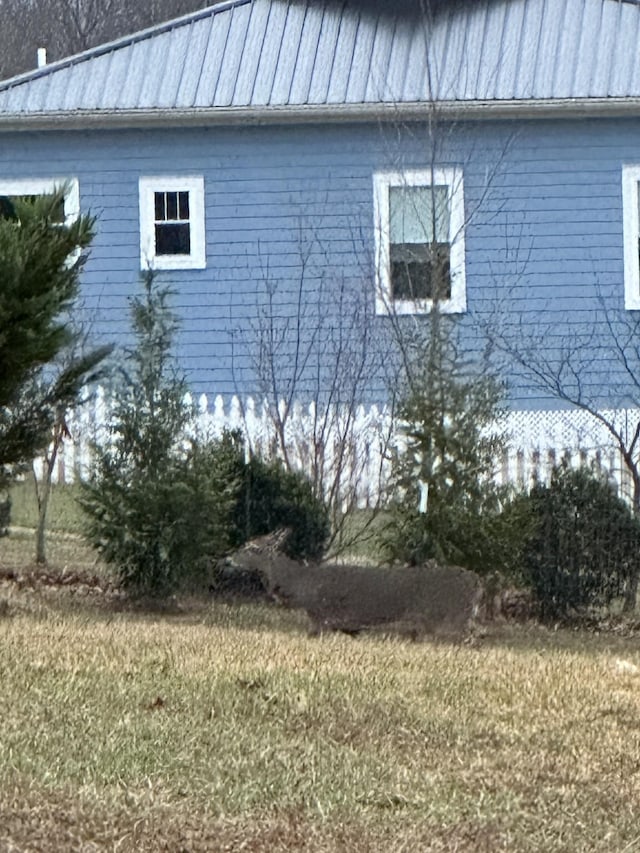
[[631, 230], [31, 187], [419, 221], [172, 223]]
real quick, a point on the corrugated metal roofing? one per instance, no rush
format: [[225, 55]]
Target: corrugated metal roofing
[[250, 55]]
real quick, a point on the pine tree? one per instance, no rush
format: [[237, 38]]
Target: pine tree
[[40, 262], [160, 505], [447, 506]]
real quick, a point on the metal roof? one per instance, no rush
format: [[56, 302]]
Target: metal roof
[[261, 57]]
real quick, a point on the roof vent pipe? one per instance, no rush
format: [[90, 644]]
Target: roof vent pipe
[[42, 57]]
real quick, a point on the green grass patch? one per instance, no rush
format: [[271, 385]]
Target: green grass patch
[[65, 552], [225, 726], [64, 514]]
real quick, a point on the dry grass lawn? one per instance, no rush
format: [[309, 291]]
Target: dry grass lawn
[[225, 728]]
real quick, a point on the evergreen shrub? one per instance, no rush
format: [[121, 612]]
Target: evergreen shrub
[[446, 504], [163, 505], [274, 497], [584, 545], [160, 503], [163, 531], [43, 368]]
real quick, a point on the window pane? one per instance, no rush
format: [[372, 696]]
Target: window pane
[[6, 208], [418, 214], [172, 205], [57, 214], [183, 205], [159, 207], [173, 239], [420, 271]]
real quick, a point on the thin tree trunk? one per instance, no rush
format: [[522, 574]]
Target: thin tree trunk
[[41, 528], [43, 493], [631, 592]]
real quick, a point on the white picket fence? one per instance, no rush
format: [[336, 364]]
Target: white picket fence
[[357, 443]]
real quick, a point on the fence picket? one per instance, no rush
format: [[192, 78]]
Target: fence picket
[[358, 441]]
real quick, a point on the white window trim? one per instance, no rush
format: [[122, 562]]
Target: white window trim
[[451, 177], [194, 185], [631, 233], [46, 186]]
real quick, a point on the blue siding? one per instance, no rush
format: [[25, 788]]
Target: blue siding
[[543, 240]]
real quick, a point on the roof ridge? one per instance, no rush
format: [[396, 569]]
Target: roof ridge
[[120, 42]]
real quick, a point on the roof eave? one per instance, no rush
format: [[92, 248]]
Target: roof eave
[[414, 111]]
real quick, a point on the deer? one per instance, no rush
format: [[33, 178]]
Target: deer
[[428, 599]]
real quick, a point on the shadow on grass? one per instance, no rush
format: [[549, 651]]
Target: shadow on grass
[[39, 819]]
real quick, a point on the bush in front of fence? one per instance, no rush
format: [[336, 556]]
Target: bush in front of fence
[[583, 549], [164, 502], [271, 497], [446, 504], [160, 530]]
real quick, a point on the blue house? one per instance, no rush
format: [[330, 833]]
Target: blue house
[[308, 168]]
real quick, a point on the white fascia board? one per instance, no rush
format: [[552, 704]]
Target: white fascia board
[[570, 108]]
